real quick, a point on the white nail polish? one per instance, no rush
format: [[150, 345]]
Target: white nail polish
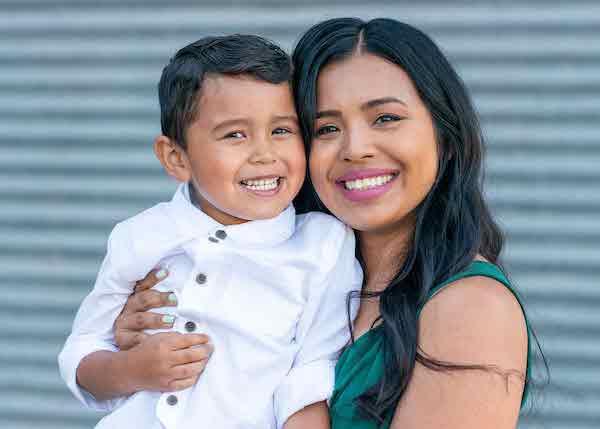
[[161, 274]]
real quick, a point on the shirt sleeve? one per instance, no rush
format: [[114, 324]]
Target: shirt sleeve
[[93, 326], [322, 331]]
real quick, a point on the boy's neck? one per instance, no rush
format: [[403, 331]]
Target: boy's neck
[[210, 211]]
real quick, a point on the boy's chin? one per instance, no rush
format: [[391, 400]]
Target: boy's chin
[[264, 214]]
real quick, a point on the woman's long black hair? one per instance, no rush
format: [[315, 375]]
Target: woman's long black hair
[[453, 222]]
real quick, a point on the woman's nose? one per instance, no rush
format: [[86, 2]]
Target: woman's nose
[[357, 145]]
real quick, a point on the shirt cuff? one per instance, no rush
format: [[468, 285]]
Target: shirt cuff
[[68, 361], [304, 385]]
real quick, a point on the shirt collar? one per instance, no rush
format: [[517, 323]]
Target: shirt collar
[[192, 223]]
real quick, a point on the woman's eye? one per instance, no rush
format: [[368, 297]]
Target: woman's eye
[[326, 129], [281, 131], [381, 119], [235, 135]]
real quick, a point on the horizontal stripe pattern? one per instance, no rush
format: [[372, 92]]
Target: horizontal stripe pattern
[[79, 112]]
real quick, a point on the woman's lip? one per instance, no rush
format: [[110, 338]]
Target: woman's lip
[[365, 194], [365, 174]]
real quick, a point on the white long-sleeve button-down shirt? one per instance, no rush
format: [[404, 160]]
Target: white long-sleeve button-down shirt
[[271, 294]]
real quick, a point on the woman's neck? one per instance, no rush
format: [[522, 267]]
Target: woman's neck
[[383, 253]]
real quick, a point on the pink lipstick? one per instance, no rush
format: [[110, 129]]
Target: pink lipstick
[[367, 184]]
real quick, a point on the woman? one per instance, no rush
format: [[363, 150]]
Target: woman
[[395, 151]]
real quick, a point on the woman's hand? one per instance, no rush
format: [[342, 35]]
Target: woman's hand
[[135, 316]]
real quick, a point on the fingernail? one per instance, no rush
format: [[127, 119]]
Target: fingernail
[[168, 320], [172, 298], [161, 274]]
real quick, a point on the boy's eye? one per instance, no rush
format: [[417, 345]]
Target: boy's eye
[[281, 131], [235, 135], [381, 119], [326, 129]]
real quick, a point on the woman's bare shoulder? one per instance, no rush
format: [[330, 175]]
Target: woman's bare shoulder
[[472, 321], [475, 320]]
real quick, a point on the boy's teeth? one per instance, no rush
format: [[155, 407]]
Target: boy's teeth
[[261, 184], [367, 183]]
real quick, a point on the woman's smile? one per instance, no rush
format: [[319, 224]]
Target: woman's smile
[[366, 184]]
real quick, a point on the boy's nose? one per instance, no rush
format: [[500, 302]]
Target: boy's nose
[[263, 153], [263, 158]]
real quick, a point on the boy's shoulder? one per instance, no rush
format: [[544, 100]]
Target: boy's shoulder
[[323, 232], [331, 245], [153, 222], [321, 223], [151, 217], [139, 242]]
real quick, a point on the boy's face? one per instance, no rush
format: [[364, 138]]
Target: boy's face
[[245, 149]]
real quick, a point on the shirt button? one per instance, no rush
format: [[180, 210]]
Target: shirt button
[[172, 400], [190, 326], [220, 234], [201, 278], [213, 240]]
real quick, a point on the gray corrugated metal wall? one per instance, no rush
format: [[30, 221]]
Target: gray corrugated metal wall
[[78, 113]]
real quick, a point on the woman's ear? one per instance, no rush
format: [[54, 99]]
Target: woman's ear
[[173, 158]]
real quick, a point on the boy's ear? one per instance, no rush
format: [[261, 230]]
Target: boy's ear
[[173, 158]]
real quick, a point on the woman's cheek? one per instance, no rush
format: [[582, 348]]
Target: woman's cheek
[[318, 166]]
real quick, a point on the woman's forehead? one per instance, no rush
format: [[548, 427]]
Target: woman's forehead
[[363, 77]]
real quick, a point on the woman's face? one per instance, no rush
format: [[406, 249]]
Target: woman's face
[[373, 156]]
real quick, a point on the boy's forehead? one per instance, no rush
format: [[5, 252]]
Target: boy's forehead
[[219, 83], [243, 94]]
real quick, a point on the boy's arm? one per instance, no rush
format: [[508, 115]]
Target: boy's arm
[[92, 329], [161, 362], [116, 380], [96, 371], [314, 416], [322, 330]]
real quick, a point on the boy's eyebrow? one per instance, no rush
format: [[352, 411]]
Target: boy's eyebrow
[[230, 122], [365, 106], [286, 118]]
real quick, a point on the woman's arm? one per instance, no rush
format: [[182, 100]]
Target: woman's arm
[[315, 416], [474, 321]]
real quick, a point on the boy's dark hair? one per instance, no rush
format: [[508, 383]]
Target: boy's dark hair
[[181, 80]]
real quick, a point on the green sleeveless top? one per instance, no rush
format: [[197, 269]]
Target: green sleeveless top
[[361, 365]]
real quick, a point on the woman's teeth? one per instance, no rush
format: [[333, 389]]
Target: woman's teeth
[[262, 184], [367, 183]]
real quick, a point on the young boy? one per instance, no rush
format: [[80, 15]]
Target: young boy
[[267, 286]]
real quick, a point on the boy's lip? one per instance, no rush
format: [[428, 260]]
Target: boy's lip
[[265, 177], [266, 192]]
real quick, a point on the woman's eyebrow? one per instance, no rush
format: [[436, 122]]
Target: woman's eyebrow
[[365, 106], [379, 101], [324, 113]]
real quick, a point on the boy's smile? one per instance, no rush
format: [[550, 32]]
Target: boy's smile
[[263, 185], [244, 153]]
